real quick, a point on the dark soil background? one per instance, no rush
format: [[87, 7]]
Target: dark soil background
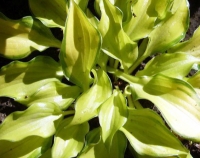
[[16, 9]]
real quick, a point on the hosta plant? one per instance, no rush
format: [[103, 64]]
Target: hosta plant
[[90, 103]]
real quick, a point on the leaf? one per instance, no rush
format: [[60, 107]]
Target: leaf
[[169, 31], [87, 105], [125, 7], [99, 150], [82, 4], [92, 138], [54, 92], [69, 139], [149, 136], [18, 38], [191, 46], [176, 65], [176, 100], [51, 13], [80, 47], [195, 82], [20, 80], [112, 116], [38, 120], [110, 26], [32, 146], [141, 24]]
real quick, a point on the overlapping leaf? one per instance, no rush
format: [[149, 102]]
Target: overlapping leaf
[[18, 38], [20, 80], [69, 139], [51, 13], [116, 43], [170, 31], [176, 100], [176, 65], [55, 92], [167, 33], [112, 116], [125, 7], [32, 146], [149, 136], [195, 82], [99, 150], [87, 105], [191, 46], [39, 120], [142, 24], [80, 47]]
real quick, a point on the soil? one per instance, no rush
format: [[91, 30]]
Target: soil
[[17, 9]]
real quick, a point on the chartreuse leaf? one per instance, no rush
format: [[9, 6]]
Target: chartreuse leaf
[[80, 47], [98, 150], [55, 92], [112, 116], [149, 136], [92, 138], [191, 46], [170, 31], [32, 146], [18, 38], [51, 13], [167, 33], [69, 139], [87, 104], [176, 65], [82, 4], [195, 82], [141, 24], [175, 99], [125, 7], [39, 119], [110, 26], [20, 80]]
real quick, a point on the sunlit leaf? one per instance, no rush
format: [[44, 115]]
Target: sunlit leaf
[[126, 8], [148, 135], [88, 103], [176, 100], [110, 26], [170, 31], [80, 47], [141, 24], [51, 13], [112, 116], [18, 38], [69, 139], [191, 46], [20, 80], [32, 146], [167, 33], [39, 119], [176, 65], [99, 150], [55, 92]]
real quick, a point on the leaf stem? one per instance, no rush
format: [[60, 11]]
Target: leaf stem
[[70, 112], [126, 77]]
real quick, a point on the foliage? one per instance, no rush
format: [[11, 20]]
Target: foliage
[[102, 45]]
